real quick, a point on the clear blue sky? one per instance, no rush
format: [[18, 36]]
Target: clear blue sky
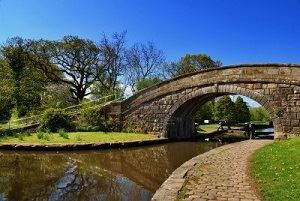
[[232, 31]]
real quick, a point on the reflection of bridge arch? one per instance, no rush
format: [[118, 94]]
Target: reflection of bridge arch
[[274, 86]]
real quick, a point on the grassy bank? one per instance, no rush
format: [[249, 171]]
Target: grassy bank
[[276, 169], [77, 137], [206, 128]]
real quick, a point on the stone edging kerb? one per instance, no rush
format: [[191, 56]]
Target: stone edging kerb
[[80, 146]]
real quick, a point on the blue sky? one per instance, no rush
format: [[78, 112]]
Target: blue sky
[[232, 31]]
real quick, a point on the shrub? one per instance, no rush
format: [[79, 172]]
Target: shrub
[[21, 136], [47, 136], [63, 134], [78, 137], [44, 136], [40, 136], [55, 119], [92, 119]]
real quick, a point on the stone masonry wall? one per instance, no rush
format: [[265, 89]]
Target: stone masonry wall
[[276, 87]]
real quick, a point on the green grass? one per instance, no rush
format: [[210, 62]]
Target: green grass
[[77, 137], [205, 128], [276, 169], [260, 122]]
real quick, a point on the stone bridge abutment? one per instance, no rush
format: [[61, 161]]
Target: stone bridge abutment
[[169, 108]]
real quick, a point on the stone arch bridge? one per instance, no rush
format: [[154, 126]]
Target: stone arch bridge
[[169, 108]]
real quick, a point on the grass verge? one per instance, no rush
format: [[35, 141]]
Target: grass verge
[[76, 137], [206, 128], [276, 169]]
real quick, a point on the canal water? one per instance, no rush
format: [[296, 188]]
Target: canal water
[[132, 174]]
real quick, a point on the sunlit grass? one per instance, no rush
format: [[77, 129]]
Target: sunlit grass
[[276, 168], [206, 128], [76, 137]]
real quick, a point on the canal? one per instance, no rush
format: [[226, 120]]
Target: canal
[[132, 174]]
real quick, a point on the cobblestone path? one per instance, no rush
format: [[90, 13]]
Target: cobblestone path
[[220, 174]]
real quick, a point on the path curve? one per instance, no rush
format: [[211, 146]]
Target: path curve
[[220, 174]]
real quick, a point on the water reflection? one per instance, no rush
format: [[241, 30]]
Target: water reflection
[[127, 174]]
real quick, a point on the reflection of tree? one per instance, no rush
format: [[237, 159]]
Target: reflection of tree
[[91, 175]]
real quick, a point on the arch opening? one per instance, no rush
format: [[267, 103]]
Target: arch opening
[[181, 121]]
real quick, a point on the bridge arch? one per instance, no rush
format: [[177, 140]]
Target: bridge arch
[[184, 110], [274, 86]]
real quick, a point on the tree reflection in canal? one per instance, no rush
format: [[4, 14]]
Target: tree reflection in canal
[[122, 174]]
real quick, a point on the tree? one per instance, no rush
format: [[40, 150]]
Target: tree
[[57, 96], [259, 114], [147, 82], [112, 64], [143, 61], [224, 109], [190, 63], [72, 60], [205, 112], [6, 91], [242, 113], [27, 82]]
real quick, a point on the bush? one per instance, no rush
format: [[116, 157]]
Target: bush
[[47, 136], [92, 119], [63, 134], [78, 137], [44, 136], [40, 136], [55, 119]]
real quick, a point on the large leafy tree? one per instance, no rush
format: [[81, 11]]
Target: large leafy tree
[[190, 63], [242, 112], [27, 83], [6, 91], [57, 96], [224, 109], [205, 112], [147, 82], [259, 114], [72, 60]]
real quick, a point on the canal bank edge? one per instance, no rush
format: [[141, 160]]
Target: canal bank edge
[[170, 189], [81, 146]]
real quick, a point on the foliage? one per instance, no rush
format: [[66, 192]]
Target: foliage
[[55, 119], [92, 119], [147, 82], [205, 112], [78, 137], [190, 63], [40, 135], [63, 134], [27, 83], [6, 92], [259, 114], [276, 168], [242, 113], [75, 60], [224, 109], [57, 96], [98, 91]]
